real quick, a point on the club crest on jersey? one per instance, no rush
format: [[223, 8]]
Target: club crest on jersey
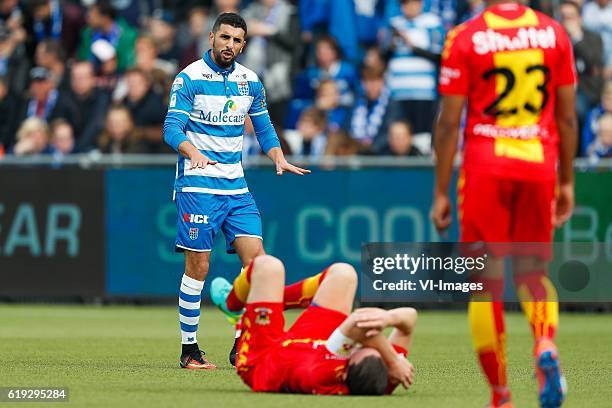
[[243, 88], [262, 316], [193, 233]]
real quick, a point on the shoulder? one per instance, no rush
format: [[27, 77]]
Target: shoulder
[[194, 70], [428, 20], [545, 20], [460, 37], [244, 74]]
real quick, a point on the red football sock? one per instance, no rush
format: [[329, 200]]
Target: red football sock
[[240, 290], [300, 294], [538, 298], [489, 337]]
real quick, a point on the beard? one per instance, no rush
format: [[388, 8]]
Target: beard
[[222, 60]]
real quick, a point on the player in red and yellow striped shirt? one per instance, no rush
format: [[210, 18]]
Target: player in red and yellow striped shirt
[[512, 68]]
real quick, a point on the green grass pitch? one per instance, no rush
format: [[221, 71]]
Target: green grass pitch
[[128, 356]]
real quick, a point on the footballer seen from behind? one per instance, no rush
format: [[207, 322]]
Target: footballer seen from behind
[[209, 102], [514, 70]]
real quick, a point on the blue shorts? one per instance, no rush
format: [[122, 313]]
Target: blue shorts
[[200, 216]]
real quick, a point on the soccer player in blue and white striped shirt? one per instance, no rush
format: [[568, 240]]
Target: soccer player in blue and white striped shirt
[[209, 102]]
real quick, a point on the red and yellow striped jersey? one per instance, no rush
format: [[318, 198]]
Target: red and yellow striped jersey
[[508, 63]]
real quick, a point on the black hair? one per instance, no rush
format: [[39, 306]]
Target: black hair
[[105, 8], [231, 19], [367, 377]]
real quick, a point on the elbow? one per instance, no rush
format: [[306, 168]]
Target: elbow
[[568, 121]]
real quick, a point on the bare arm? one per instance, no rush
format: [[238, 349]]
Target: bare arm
[[446, 135], [567, 126]]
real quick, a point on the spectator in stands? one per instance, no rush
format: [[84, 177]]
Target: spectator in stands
[[146, 107], [32, 138], [310, 139], [369, 21], [474, 8], [399, 142], [220, 7], [274, 38], [375, 59], [197, 21], [328, 100], [590, 128], [107, 76], [120, 135], [329, 65], [83, 106], [9, 112], [445, 9], [10, 10], [50, 54], [336, 18], [147, 59], [43, 94], [602, 146], [416, 43], [342, 144], [62, 137], [14, 63], [102, 24], [597, 16], [588, 52], [163, 33], [368, 118], [55, 20]]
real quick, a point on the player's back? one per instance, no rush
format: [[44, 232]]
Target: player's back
[[508, 62]]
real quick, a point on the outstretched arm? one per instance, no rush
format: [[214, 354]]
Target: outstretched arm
[[266, 135]]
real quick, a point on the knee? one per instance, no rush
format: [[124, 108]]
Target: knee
[[198, 264], [267, 266], [343, 271]]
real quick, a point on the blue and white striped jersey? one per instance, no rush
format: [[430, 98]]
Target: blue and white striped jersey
[[411, 77], [208, 106]]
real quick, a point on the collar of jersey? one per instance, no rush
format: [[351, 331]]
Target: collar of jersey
[[209, 61]]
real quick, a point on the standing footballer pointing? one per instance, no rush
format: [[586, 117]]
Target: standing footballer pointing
[[209, 102], [513, 68]]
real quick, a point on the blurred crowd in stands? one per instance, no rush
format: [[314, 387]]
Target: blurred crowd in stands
[[343, 77]]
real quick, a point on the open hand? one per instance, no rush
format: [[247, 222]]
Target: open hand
[[282, 165], [441, 212], [402, 371], [564, 204]]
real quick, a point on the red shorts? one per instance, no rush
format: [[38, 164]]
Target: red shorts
[[497, 210], [260, 359]]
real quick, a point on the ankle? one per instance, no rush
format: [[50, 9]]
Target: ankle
[[189, 348]]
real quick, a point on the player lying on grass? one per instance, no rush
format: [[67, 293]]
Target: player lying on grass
[[328, 350]]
